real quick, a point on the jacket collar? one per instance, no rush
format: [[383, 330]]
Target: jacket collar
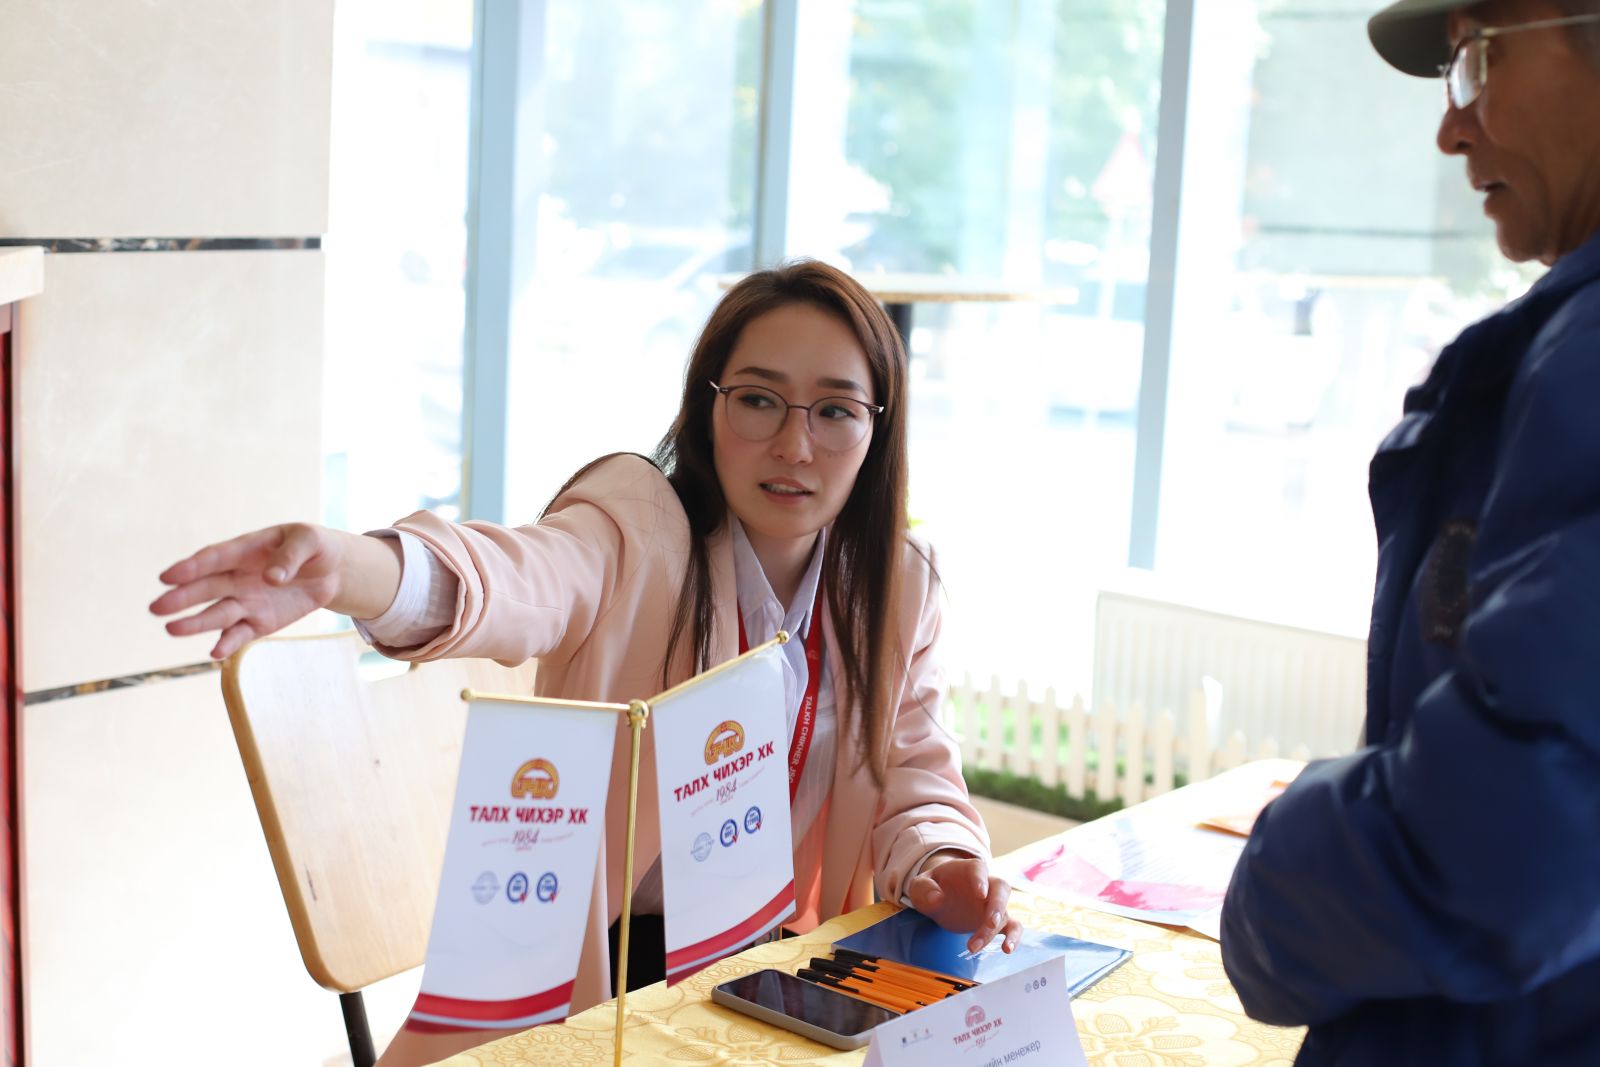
[[1487, 354]]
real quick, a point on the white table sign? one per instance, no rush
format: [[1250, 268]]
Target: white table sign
[[727, 858], [519, 866], [1024, 1018]]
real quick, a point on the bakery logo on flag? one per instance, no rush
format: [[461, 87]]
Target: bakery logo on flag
[[724, 741], [536, 780]]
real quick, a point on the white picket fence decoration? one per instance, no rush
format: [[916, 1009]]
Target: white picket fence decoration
[[1151, 750]]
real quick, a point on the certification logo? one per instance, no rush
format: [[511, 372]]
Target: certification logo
[[547, 887], [517, 888], [485, 887], [730, 833], [752, 820], [702, 847]]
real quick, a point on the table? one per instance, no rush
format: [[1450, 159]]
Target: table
[[900, 292], [1169, 1006]]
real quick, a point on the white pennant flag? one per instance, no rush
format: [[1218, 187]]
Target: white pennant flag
[[727, 859], [519, 866]]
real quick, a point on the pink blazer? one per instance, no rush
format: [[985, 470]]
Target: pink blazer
[[589, 591]]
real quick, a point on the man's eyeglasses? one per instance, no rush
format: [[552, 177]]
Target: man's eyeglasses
[[837, 423], [1468, 68]]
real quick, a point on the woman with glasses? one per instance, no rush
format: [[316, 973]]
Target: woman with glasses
[[776, 500]]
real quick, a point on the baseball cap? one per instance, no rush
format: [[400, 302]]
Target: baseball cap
[[1410, 34]]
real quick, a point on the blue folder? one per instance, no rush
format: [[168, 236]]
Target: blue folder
[[908, 936]]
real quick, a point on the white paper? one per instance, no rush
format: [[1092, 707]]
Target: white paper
[[519, 866], [1208, 924], [727, 858], [1138, 867], [1024, 1018]]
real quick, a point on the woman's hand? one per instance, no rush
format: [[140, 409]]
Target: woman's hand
[[956, 891], [260, 582]]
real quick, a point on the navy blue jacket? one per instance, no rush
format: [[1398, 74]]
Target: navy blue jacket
[[1435, 897]]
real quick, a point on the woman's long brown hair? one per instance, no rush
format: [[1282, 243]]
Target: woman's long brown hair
[[861, 567]]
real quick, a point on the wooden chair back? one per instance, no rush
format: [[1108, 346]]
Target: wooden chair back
[[353, 779]]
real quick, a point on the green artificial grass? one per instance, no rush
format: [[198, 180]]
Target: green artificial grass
[[1034, 794]]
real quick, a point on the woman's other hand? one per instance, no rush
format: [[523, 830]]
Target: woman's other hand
[[956, 891], [258, 583]]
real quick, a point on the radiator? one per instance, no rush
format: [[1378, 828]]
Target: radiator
[[1271, 682]]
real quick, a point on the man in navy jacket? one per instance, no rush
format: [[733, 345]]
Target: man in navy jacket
[[1435, 897]]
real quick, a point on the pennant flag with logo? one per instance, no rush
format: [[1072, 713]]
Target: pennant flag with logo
[[727, 860], [519, 866]]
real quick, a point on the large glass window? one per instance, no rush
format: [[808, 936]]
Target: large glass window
[[1327, 251], [1007, 145], [396, 256], [644, 200]]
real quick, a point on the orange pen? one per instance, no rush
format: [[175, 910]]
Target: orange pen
[[900, 985], [877, 994], [889, 966], [827, 982], [883, 993]]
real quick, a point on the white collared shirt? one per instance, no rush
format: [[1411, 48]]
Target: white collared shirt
[[764, 616]]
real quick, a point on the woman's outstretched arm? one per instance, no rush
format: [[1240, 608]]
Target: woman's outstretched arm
[[260, 582]]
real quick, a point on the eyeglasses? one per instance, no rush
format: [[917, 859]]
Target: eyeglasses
[[1468, 68], [836, 423]]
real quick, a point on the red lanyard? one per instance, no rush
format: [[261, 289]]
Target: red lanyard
[[800, 745]]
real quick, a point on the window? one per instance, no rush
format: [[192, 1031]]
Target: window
[[1014, 143], [1327, 251], [645, 199], [396, 257]]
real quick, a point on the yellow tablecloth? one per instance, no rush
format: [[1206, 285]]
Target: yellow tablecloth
[[1168, 1006]]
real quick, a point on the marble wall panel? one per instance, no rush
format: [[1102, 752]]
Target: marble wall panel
[[165, 118], [155, 930], [168, 400]]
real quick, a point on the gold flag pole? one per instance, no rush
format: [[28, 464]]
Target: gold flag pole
[[638, 715], [780, 638], [470, 695]]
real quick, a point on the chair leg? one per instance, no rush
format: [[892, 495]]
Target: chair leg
[[355, 1027]]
